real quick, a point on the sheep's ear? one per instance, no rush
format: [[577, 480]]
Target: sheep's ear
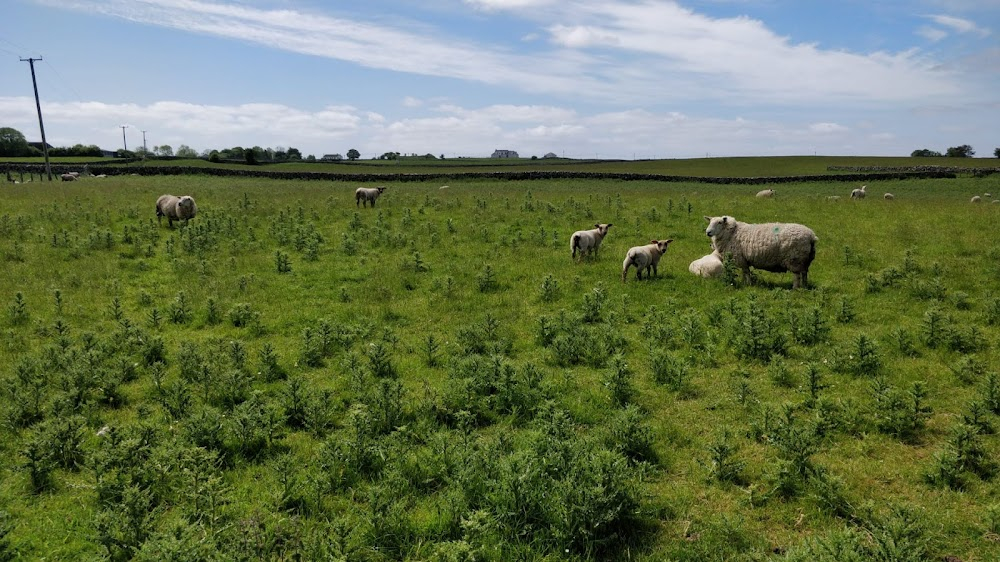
[[653, 242], [669, 240], [709, 219], [725, 219], [597, 225], [610, 225]]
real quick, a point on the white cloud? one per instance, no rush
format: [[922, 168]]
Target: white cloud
[[959, 25], [932, 34], [410, 101], [827, 128]]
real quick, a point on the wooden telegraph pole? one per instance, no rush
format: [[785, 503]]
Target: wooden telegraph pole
[[38, 106]]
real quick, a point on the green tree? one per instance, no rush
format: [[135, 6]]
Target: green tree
[[185, 151], [13, 143], [163, 150], [294, 153], [353, 154], [996, 152], [964, 151], [249, 156], [925, 152]]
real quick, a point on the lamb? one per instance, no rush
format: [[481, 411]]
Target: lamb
[[365, 195], [175, 208], [859, 193], [68, 177], [833, 198], [775, 247], [888, 197], [588, 241], [765, 193], [645, 258], [707, 266], [976, 199], [987, 195]]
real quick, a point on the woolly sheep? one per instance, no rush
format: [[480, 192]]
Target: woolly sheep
[[645, 258], [976, 199], [833, 198], [859, 193], [888, 196], [175, 208], [765, 193], [775, 247], [68, 177], [365, 195], [588, 241], [707, 266], [987, 195]]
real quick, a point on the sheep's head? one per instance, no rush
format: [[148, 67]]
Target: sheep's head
[[186, 203], [603, 228], [661, 245], [718, 224], [380, 189]]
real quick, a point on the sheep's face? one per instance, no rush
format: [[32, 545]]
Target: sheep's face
[[186, 203], [380, 190], [717, 225], [661, 245], [603, 228]]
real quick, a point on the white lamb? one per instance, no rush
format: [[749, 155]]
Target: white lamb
[[645, 258], [775, 247], [765, 193], [888, 197], [976, 199], [365, 195], [707, 266], [859, 193], [588, 241]]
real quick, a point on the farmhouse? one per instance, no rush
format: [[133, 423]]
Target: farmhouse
[[499, 153]]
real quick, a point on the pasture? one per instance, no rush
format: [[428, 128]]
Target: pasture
[[435, 378]]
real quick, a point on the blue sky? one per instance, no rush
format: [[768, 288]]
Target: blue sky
[[578, 78]]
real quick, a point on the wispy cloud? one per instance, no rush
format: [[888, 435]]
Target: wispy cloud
[[959, 25], [609, 51]]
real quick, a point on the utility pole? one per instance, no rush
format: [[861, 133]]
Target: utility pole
[[144, 142], [124, 142], [38, 106]]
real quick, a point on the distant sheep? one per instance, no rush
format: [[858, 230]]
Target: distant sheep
[[175, 208], [365, 195], [987, 195], [765, 193], [859, 193], [68, 177], [888, 197], [833, 198], [588, 241], [976, 199], [775, 247], [707, 266], [645, 258]]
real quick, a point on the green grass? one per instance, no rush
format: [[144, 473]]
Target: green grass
[[495, 442]]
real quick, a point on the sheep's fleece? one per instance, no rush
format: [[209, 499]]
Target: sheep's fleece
[[775, 247]]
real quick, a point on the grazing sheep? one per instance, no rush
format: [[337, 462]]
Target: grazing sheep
[[365, 195], [765, 193], [995, 201], [68, 177], [645, 258], [707, 266], [859, 193], [888, 197], [775, 247], [833, 198], [588, 241], [987, 195], [175, 208], [976, 199]]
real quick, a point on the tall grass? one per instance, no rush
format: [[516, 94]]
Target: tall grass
[[435, 378]]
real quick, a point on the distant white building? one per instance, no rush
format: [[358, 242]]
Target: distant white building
[[550, 155], [498, 153]]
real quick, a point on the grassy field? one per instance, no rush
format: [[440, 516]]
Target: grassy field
[[436, 379], [698, 167]]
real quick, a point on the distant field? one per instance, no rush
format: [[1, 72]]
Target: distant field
[[701, 167], [289, 376]]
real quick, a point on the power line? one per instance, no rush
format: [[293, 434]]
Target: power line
[[38, 106]]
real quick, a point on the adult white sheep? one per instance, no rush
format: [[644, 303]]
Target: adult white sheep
[[645, 258], [365, 195], [976, 199], [765, 193], [775, 247], [68, 177], [859, 193], [588, 241], [175, 208], [707, 266], [888, 197]]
